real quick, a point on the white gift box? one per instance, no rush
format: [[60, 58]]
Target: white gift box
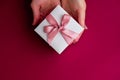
[[58, 43]]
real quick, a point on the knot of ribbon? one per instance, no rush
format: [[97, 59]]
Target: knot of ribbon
[[53, 29]]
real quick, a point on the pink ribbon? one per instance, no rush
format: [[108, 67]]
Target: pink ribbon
[[53, 29]]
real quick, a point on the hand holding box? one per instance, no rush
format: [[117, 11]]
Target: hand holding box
[[59, 29]]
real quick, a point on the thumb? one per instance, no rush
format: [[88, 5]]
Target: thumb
[[81, 16], [36, 14]]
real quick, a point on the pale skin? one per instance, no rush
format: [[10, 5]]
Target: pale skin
[[76, 8]]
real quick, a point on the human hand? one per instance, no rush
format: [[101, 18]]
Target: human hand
[[41, 8], [77, 9]]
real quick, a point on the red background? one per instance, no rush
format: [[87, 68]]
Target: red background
[[25, 56]]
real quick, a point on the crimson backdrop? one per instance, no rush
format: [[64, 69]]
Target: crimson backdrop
[[25, 56]]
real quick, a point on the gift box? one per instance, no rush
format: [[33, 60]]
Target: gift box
[[59, 29]]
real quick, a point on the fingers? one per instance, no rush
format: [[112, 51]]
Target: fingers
[[81, 17], [81, 12], [81, 20], [76, 40], [36, 14]]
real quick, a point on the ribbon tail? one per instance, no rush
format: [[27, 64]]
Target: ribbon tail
[[69, 35], [68, 39], [52, 35]]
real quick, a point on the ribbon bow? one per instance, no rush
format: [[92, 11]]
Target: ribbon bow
[[54, 28]]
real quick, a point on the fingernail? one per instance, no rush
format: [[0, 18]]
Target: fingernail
[[74, 41], [85, 27]]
